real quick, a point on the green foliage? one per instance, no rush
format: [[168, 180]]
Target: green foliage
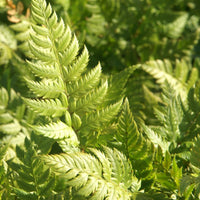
[[101, 176], [32, 179], [127, 128]]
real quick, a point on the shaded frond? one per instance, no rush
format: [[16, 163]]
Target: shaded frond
[[117, 83], [163, 71], [132, 143], [33, 180], [195, 153]]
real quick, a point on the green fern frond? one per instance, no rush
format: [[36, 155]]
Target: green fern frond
[[156, 139], [58, 131], [191, 115], [8, 44], [33, 180], [11, 128], [195, 153], [64, 41], [70, 54], [176, 28], [46, 107], [117, 83], [163, 71], [127, 132], [43, 71], [88, 82], [132, 143], [23, 34], [93, 178], [46, 88], [89, 101], [170, 115], [40, 40], [73, 72], [95, 120], [45, 55]]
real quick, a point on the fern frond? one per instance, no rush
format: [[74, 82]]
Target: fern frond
[[163, 71], [3, 98], [127, 132], [10, 128], [195, 153], [22, 26], [73, 72], [46, 107], [132, 143], [43, 71], [58, 131], [46, 88], [117, 83], [88, 82], [23, 34], [156, 139], [173, 114], [45, 55], [90, 101], [40, 30], [70, 54], [69, 145], [64, 41], [175, 28], [95, 120], [40, 40], [93, 178], [33, 180]]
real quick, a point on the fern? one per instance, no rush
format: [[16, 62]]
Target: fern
[[100, 176], [73, 135], [177, 78], [64, 86], [131, 142], [33, 179]]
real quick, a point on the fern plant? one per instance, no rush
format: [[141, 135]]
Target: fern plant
[[67, 129], [71, 99]]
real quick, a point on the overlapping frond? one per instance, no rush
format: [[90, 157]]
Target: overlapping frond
[[89, 101], [7, 44], [181, 77], [95, 120], [105, 175], [132, 143], [33, 180], [88, 82], [23, 34], [170, 115], [191, 118]]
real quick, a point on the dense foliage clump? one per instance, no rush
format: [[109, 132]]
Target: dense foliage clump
[[99, 99]]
